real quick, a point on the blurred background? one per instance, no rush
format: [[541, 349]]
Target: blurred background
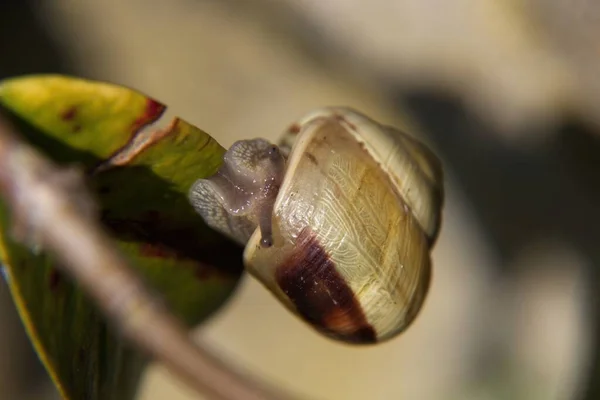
[[506, 91]]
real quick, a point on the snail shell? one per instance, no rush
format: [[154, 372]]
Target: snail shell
[[338, 222]]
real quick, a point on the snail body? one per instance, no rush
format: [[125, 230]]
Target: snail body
[[338, 222]]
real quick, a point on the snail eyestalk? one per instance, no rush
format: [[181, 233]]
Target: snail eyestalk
[[239, 198]]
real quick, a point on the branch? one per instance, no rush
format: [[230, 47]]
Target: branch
[[51, 208]]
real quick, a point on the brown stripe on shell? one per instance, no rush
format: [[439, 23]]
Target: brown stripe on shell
[[321, 295]]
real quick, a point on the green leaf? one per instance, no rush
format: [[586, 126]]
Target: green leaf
[[140, 179]]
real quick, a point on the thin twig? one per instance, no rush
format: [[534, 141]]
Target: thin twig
[[52, 208]]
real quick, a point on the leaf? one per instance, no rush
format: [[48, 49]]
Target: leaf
[[140, 179]]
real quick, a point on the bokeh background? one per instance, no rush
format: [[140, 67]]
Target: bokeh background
[[506, 91]]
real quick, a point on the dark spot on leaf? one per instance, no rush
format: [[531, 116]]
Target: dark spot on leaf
[[69, 114], [154, 250], [76, 128], [105, 189], [321, 295], [81, 356], [159, 236], [151, 216], [202, 273], [54, 279], [152, 112]]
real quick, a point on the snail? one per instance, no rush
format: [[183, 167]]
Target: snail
[[338, 221]]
